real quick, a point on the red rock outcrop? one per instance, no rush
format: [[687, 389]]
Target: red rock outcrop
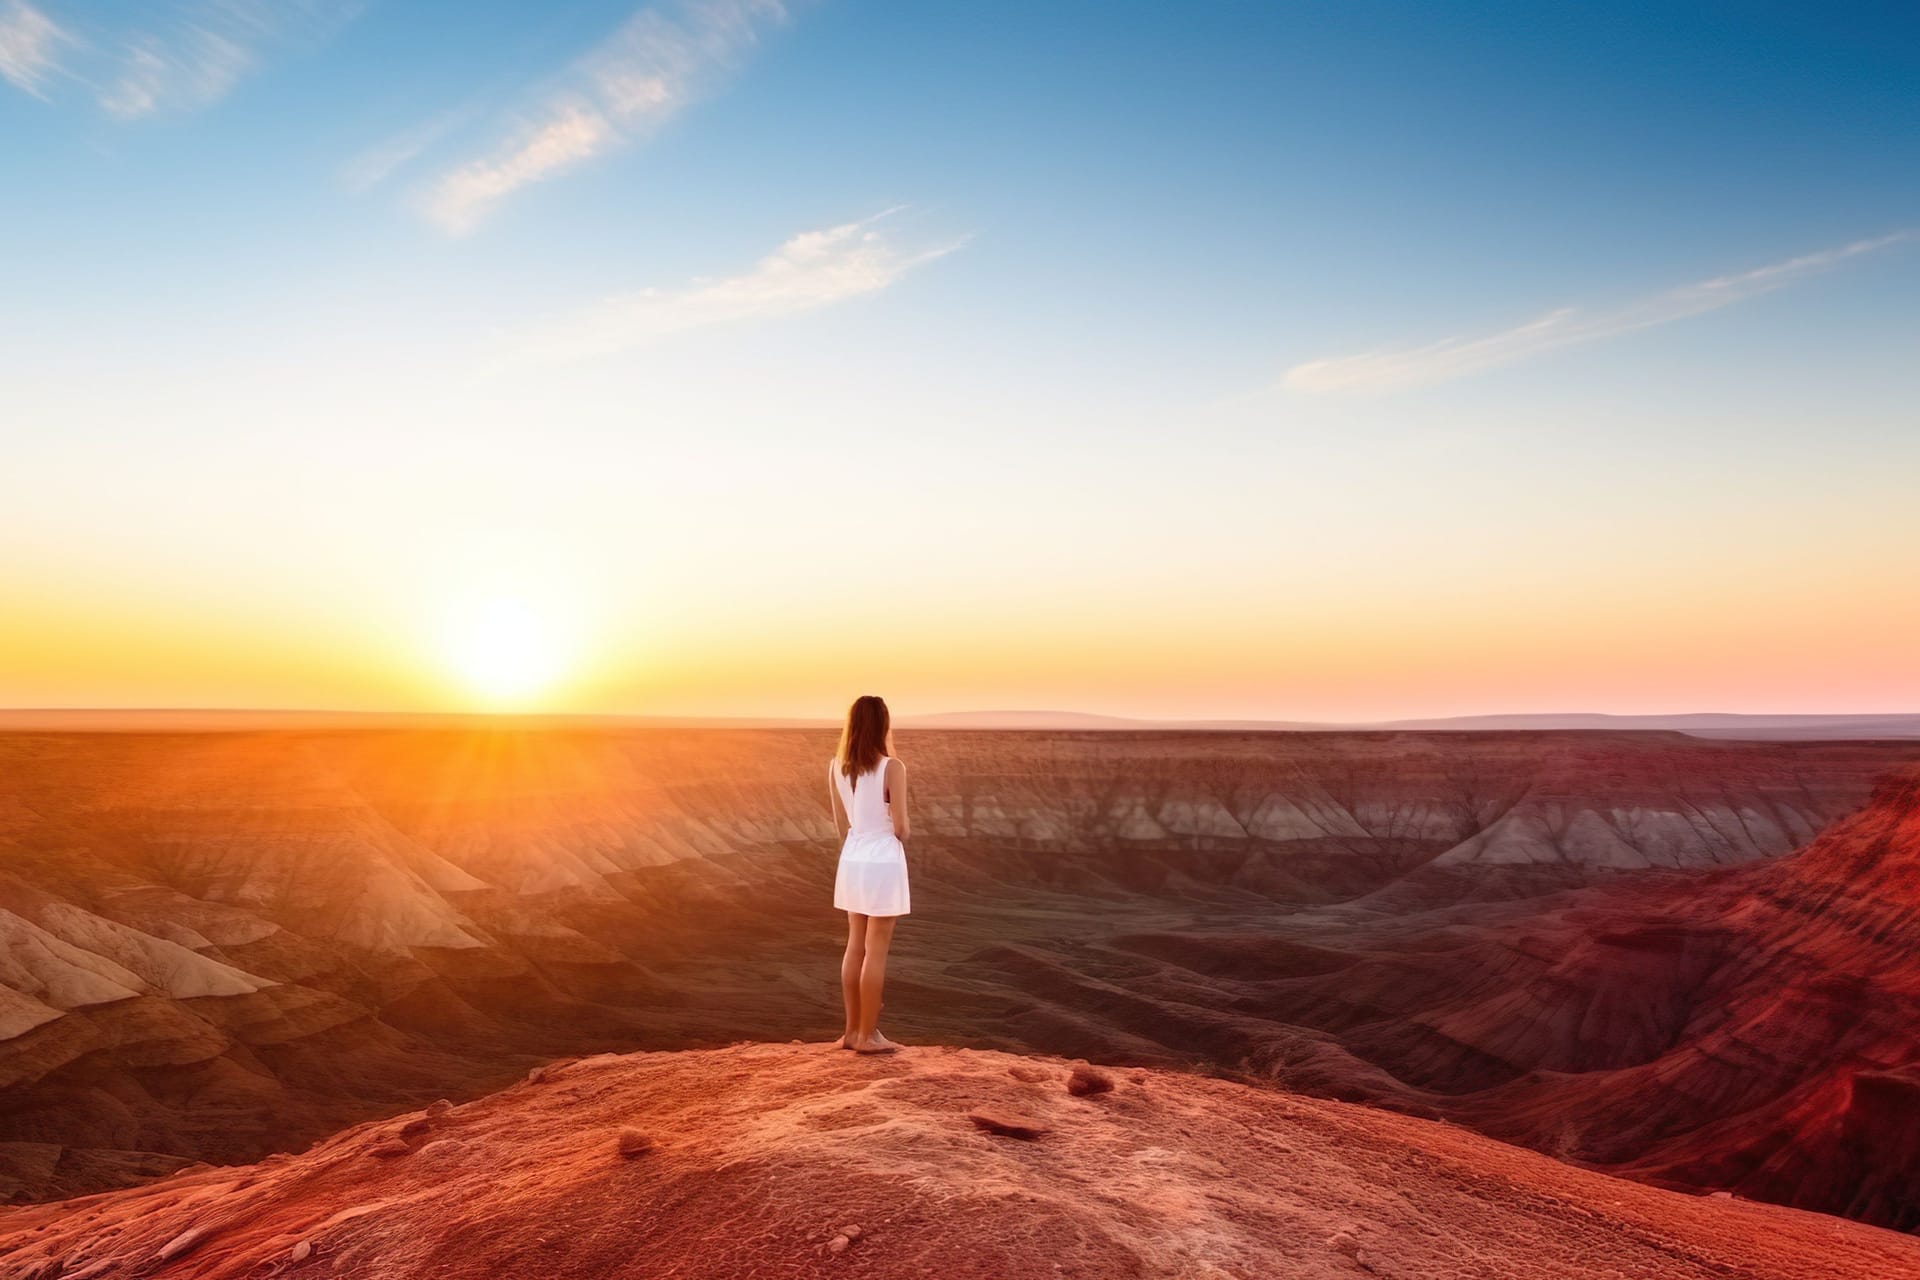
[[796, 1160]]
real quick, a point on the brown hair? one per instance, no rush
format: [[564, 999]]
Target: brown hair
[[864, 741]]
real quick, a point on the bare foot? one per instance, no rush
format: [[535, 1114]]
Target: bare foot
[[876, 1044], [845, 1041]]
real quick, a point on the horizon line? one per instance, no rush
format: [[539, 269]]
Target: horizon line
[[213, 718]]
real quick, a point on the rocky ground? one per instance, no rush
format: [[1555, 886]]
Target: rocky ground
[[803, 1160]]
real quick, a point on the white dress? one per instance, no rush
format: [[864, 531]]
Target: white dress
[[872, 879]]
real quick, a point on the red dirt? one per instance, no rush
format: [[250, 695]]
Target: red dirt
[[765, 1155]]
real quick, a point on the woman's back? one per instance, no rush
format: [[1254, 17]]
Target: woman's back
[[865, 799]]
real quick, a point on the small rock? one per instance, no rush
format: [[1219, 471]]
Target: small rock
[[440, 1148], [632, 1143], [440, 1108], [413, 1129], [185, 1242], [851, 1233], [1088, 1080], [537, 1075], [388, 1149], [1007, 1126], [838, 1244], [301, 1251], [1345, 1242], [1720, 1195], [1029, 1075]]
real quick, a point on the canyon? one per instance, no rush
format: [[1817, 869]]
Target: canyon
[[1681, 960]]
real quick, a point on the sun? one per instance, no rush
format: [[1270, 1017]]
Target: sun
[[506, 651]]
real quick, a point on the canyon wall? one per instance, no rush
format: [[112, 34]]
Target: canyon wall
[[215, 945]]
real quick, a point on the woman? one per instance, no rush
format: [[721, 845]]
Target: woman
[[868, 790]]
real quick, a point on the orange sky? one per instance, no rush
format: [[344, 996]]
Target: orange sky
[[722, 637]]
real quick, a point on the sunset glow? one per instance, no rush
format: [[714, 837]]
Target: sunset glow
[[547, 378], [735, 638], [506, 651]]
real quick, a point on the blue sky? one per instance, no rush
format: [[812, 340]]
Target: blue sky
[[1303, 322]]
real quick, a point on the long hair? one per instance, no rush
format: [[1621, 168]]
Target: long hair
[[864, 740]]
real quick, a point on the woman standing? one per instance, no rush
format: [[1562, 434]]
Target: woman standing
[[868, 790]]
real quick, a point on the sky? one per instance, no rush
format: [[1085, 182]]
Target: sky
[[1332, 361]]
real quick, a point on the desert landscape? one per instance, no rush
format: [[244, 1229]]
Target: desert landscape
[[747, 639], [1683, 961]]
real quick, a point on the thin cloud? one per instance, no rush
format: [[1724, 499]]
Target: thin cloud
[[186, 69], [811, 270], [1569, 326], [29, 40], [570, 134], [385, 158], [182, 56], [661, 59]]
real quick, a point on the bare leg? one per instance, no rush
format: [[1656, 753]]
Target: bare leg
[[850, 975], [873, 979]]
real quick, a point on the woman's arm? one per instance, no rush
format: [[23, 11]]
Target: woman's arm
[[840, 819], [897, 798]]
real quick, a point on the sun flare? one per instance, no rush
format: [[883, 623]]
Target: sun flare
[[507, 652]]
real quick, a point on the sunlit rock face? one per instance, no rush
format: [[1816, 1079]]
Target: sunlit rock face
[[218, 944]]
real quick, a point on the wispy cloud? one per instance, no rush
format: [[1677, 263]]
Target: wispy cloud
[[664, 57], [1569, 326], [390, 155], [181, 56], [29, 40], [208, 47], [813, 269], [192, 69], [570, 133]]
